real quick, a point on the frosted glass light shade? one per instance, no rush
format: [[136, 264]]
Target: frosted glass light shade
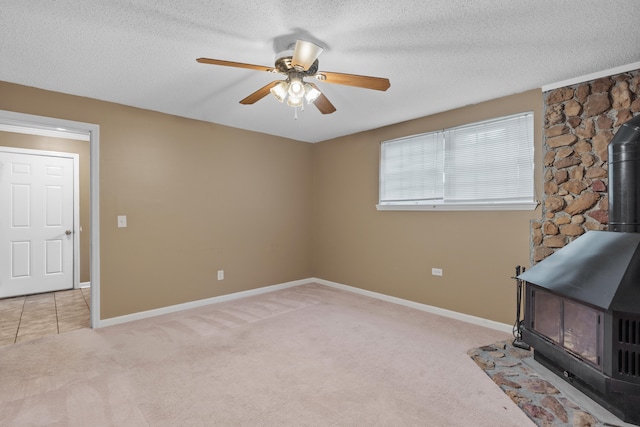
[[296, 87], [305, 53], [280, 90], [310, 93], [294, 102]]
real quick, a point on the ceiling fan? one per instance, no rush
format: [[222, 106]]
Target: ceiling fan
[[300, 61]]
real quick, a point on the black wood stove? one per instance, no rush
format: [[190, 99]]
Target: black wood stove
[[582, 312]]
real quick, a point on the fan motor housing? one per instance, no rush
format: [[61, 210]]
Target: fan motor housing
[[283, 64]]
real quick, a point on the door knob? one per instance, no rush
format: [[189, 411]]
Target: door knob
[[68, 232]]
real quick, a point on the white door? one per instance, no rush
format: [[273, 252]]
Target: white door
[[36, 223]]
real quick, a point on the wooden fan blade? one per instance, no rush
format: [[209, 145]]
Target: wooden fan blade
[[233, 64], [259, 94], [324, 105], [375, 83], [305, 53], [322, 102]]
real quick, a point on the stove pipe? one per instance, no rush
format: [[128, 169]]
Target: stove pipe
[[624, 177]]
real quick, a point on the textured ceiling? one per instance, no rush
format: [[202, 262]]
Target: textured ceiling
[[438, 54]]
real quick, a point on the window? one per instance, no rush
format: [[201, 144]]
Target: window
[[481, 166]]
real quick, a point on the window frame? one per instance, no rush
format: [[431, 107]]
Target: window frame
[[441, 204]]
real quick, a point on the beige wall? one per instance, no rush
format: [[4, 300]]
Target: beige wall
[[37, 142], [393, 252], [199, 197]]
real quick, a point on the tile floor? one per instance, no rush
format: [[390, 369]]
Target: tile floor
[[28, 317]]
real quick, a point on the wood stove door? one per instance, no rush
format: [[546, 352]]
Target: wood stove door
[[576, 327]]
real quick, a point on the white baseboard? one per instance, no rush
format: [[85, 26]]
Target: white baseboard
[[199, 303], [85, 284], [236, 295], [503, 327]]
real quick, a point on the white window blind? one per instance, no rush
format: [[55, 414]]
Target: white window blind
[[485, 165], [413, 168]]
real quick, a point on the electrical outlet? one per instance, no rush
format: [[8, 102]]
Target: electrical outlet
[[220, 274], [436, 271]]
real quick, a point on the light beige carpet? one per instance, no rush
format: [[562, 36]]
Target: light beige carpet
[[304, 356]]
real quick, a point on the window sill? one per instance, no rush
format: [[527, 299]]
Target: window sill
[[521, 206]]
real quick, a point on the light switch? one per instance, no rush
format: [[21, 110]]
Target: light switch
[[122, 221]]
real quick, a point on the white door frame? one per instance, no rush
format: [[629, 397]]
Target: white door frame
[[76, 199], [36, 123]]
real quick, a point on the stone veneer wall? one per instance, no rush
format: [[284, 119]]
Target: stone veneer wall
[[579, 122]]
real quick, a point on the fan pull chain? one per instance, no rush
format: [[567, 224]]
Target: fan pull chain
[[295, 115]]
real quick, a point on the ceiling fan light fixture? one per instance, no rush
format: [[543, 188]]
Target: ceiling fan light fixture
[[300, 60], [280, 90]]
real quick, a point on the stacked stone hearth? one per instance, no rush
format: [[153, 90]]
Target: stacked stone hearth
[[580, 121], [540, 400]]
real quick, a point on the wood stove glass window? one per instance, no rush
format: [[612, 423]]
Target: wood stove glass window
[[581, 330], [547, 312], [574, 326]]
